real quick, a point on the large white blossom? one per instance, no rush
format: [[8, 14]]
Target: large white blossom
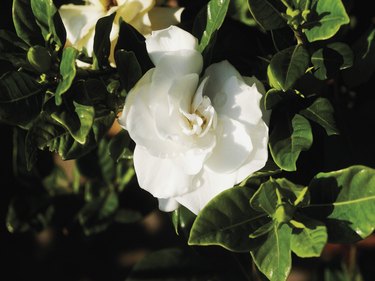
[[80, 20], [195, 136]]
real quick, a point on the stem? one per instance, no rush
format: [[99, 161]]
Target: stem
[[286, 4]]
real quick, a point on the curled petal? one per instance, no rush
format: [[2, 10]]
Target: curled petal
[[169, 40]]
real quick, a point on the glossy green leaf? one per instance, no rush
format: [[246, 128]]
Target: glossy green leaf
[[21, 99], [364, 62], [25, 24], [227, 220], [102, 42], [182, 220], [287, 66], [128, 68], [309, 241], [273, 257], [239, 10], [325, 20], [329, 60], [288, 139], [49, 21], [267, 13], [321, 112], [345, 201], [119, 146], [216, 12], [67, 72]]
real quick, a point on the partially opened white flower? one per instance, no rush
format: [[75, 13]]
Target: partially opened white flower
[[195, 136], [80, 20]]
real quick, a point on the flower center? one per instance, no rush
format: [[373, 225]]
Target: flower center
[[201, 120]]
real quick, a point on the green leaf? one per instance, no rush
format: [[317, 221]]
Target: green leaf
[[321, 112], [325, 20], [21, 99], [67, 72], [182, 220], [216, 12], [12, 49], [132, 41], [288, 139], [345, 201], [227, 220], [267, 13], [99, 213], [57, 182], [106, 163], [239, 10], [273, 257], [329, 60], [364, 62], [102, 42], [128, 68], [48, 19], [287, 66], [127, 216], [24, 23], [310, 240], [119, 146]]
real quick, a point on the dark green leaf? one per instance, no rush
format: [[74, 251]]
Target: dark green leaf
[[12, 48], [102, 42], [128, 68], [267, 13], [345, 201], [25, 24], [325, 20], [182, 220], [273, 257], [67, 72], [329, 60], [21, 99], [364, 62], [288, 139], [49, 21], [119, 146], [310, 240], [287, 67], [127, 216], [227, 221], [321, 112], [132, 41]]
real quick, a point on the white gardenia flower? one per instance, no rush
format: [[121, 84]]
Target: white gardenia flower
[[195, 136], [80, 20]]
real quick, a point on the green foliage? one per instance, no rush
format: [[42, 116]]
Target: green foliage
[[267, 13], [128, 68], [321, 112], [287, 66], [325, 19], [12, 49], [344, 200], [289, 138], [67, 72]]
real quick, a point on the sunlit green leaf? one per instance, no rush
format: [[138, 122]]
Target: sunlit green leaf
[[287, 67], [227, 220], [216, 12], [49, 21], [345, 201], [321, 112], [273, 257], [325, 20], [329, 60], [288, 139], [267, 13], [310, 240], [67, 71]]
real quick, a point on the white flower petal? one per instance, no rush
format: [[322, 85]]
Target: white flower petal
[[160, 176], [233, 147], [79, 20], [169, 40], [231, 95], [168, 205]]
